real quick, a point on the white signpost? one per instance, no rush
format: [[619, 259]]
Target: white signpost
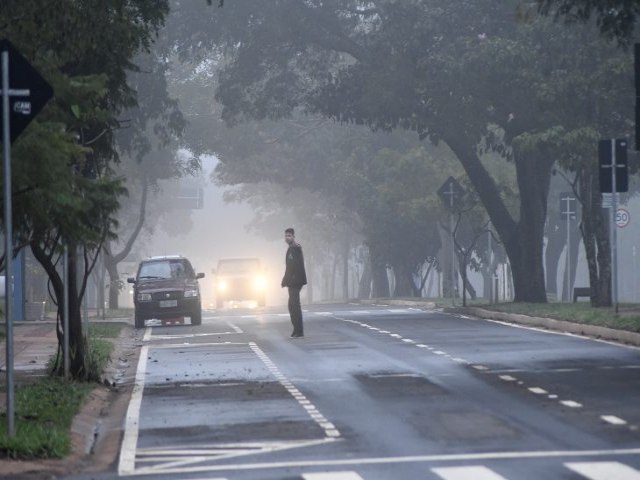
[[24, 93]]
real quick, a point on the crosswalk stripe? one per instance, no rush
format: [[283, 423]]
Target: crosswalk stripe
[[332, 476], [466, 473], [604, 470]]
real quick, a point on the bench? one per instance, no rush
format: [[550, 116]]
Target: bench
[[581, 292]]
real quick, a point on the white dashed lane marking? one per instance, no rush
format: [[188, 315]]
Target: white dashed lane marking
[[538, 390], [613, 420], [329, 429], [506, 378]]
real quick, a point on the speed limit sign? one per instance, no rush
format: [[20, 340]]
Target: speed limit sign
[[623, 217]]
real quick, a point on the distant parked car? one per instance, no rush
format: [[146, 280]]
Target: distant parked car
[[166, 287], [240, 279]]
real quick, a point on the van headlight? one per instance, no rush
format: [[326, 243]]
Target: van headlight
[[260, 283], [223, 285], [144, 297], [190, 293]]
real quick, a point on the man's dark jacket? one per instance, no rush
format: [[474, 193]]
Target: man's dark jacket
[[294, 275]]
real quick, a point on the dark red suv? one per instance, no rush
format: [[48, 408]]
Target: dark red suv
[[166, 287]]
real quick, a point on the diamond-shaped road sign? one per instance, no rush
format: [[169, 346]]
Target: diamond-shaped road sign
[[22, 76], [451, 192]]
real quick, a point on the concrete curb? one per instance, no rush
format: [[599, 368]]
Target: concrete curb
[[396, 302], [593, 331], [97, 427]]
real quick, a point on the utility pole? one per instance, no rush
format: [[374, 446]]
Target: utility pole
[[614, 229], [568, 213], [612, 157]]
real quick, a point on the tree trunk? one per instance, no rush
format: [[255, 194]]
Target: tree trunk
[[334, 272], [345, 269], [364, 285], [469, 288], [525, 248], [595, 237], [380, 288], [112, 260], [115, 284], [77, 365], [449, 277], [523, 240], [404, 283]]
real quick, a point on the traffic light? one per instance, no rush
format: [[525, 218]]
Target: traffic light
[[606, 167]]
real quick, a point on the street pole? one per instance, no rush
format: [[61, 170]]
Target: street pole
[[635, 275], [490, 259], [568, 259], [454, 280], [614, 228], [7, 92], [65, 313], [8, 244]]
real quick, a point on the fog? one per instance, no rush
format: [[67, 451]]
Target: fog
[[351, 143], [218, 230]]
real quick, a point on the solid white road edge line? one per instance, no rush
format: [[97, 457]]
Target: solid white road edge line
[[127, 463], [555, 332]]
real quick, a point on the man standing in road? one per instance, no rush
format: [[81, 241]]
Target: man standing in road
[[294, 279]]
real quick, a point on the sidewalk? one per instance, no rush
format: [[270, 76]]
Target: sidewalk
[[33, 344]]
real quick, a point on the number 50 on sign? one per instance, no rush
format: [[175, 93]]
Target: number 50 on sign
[[623, 217]]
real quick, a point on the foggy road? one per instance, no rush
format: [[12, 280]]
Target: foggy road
[[377, 392]]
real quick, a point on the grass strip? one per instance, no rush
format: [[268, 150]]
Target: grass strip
[[45, 409], [105, 329], [581, 312], [44, 412]]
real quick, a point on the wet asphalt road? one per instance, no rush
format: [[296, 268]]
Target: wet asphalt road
[[379, 392]]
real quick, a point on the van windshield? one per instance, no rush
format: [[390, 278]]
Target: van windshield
[[238, 266]]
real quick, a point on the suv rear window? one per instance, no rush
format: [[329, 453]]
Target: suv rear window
[[166, 269]]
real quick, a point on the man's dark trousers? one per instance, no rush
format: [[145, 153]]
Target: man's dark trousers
[[295, 310]]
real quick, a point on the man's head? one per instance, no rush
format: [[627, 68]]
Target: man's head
[[290, 235]]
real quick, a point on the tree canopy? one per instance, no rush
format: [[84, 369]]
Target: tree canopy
[[66, 191]]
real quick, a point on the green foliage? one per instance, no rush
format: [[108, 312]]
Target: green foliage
[[615, 18], [98, 357], [44, 412], [66, 188], [106, 329]]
